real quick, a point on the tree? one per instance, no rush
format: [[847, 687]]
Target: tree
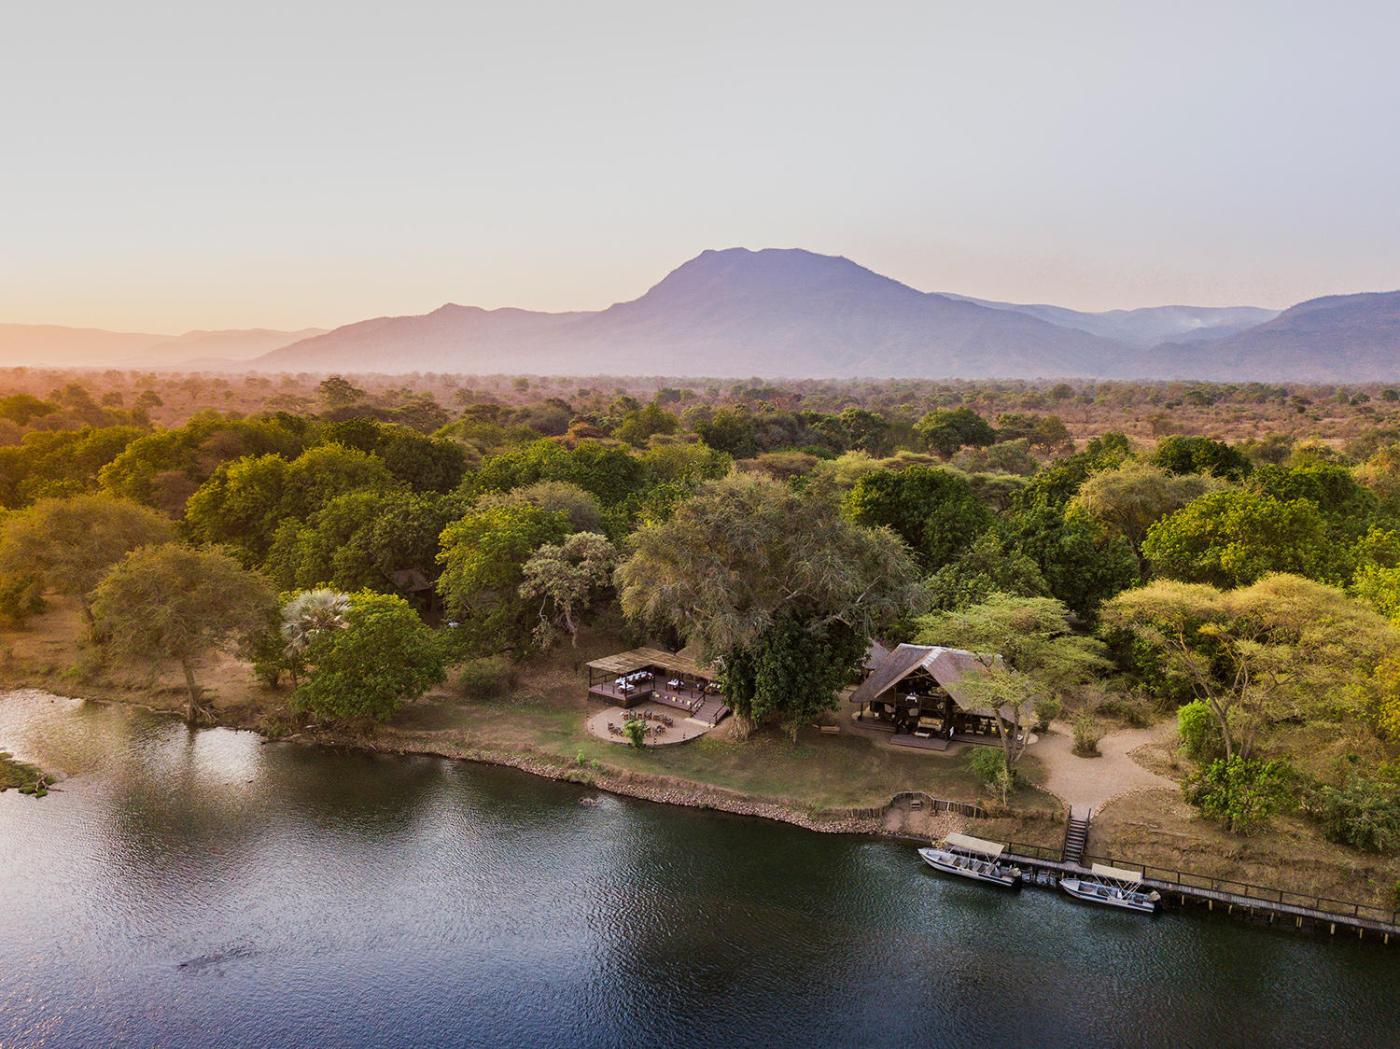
[[639, 424], [1346, 505], [69, 544], [945, 430], [776, 584], [305, 617], [483, 557], [1083, 562], [990, 565], [1236, 536], [579, 506], [1133, 497], [932, 509], [564, 578], [174, 602], [728, 430], [382, 657], [1284, 647], [1193, 455], [1027, 652], [338, 393], [1241, 793]]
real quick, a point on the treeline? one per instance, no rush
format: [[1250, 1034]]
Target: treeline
[[1251, 584]]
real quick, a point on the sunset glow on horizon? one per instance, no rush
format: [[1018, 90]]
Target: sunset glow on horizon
[[170, 167]]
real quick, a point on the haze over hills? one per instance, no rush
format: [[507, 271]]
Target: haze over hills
[[55, 346], [778, 313], [1338, 338]]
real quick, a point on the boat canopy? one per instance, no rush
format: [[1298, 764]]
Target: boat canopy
[[967, 843], [1117, 873]]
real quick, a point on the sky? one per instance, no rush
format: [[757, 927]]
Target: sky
[[166, 166]]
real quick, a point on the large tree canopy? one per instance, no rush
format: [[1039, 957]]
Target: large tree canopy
[[69, 544], [172, 602], [381, 656], [1284, 647], [1234, 537], [1134, 496], [775, 583], [932, 509], [483, 557]]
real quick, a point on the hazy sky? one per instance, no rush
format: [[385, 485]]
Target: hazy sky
[[190, 164]]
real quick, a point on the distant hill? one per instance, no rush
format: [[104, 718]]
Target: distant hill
[[1150, 325], [1339, 338], [771, 313], [54, 346]]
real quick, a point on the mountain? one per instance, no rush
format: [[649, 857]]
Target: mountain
[[53, 346], [771, 313], [1339, 338], [1150, 325]]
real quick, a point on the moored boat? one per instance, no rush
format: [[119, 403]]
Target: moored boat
[[970, 857], [1112, 887]]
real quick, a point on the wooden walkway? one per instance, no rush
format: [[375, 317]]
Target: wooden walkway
[[1041, 870]]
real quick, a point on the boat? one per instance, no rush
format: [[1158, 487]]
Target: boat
[[970, 857], [1112, 887]]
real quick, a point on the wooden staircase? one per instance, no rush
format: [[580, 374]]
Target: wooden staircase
[[1076, 835]]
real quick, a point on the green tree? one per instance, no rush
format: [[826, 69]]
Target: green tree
[[728, 430], [1133, 497], [383, 656], [1236, 536], [640, 424], [990, 565], [1083, 562], [933, 510], [945, 430], [775, 583], [1241, 793], [1194, 455], [68, 545], [483, 557], [564, 578], [1282, 648], [173, 602]]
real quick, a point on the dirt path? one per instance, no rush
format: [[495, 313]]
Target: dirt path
[[1091, 782]]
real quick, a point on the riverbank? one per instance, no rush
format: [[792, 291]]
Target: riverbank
[[829, 783]]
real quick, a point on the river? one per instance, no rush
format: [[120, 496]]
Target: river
[[204, 888]]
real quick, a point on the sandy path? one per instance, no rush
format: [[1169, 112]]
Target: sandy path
[[1091, 782]]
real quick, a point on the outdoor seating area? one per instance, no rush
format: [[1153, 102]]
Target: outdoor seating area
[[655, 675], [662, 726]]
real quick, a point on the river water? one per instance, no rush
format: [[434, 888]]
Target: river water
[[207, 889]]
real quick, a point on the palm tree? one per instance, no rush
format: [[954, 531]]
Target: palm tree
[[307, 616]]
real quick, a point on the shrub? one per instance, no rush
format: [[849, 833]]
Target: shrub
[[989, 765], [1199, 730], [1087, 733], [486, 678], [1241, 793], [636, 732], [1363, 813], [1047, 709], [1133, 711], [21, 596]]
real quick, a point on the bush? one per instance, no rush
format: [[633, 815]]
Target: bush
[[989, 765], [1133, 711], [1047, 709], [1364, 814], [21, 596], [486, 678], [636, 732], [1087, 733], [1241, 793], [1199, 730]]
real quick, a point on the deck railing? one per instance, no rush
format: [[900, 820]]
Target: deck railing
[[1262, 893]]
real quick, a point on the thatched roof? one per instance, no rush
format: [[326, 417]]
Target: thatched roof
[[639, 658], [947, 666]]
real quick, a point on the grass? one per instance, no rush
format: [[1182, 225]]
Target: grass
[[27, 778]]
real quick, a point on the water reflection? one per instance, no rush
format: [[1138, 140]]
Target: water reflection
[[207, 889]]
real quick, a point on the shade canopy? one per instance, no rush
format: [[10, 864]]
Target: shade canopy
[[1102, 870], [981, 847]]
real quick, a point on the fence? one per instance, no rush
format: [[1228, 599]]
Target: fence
[[1248, 890]]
